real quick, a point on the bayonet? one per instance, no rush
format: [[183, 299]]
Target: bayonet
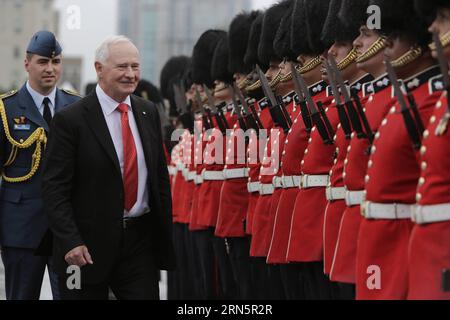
[[250, 111], [410, 124], [301, 87], [276, 109], [352, 113], [343, 117]]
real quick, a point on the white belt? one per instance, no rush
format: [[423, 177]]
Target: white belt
[[391, 211], [335, 193], [180, 166], [290, 181], [277, 182], [353, 198], [267, 188], [191, 175], [185, 173], [253, 186], [430, 213], [172, 170], [212, 175], [311, 181], [235, 173], [198, 179]]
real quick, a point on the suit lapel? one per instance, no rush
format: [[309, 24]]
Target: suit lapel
[[96, 121], [29, 108], [141, 117]]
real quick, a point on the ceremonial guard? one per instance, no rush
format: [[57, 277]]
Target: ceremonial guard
[[234, 195], [25, 120], [339, 38], [369, 46], [306, 232], [429, 261]]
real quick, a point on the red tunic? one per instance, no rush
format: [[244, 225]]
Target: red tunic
[[253, 169], [377, 105], [335, 208], [306, 233], [264, 216], [429, 252], [392, 175], [234, 195]]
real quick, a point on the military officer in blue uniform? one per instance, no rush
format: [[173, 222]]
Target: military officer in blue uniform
[[24, 124]]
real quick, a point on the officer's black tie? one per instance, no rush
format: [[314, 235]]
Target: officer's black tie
[[47, 112]]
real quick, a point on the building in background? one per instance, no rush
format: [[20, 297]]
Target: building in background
[[162, 29], [19, 20], [71, 74]]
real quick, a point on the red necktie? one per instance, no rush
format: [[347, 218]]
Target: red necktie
[[130, 167]]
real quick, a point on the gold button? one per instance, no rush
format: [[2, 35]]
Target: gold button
[[426, 134], [339, 126], [383, 123], [335, 137], [377, 135], [392, 110], [421, 181], [366, 179], [349, 148], [306, 151], [346, 161], [335, 161], [313, 129], [372, 151], [433, 119], [303, 162], [423, 165], [331, 172], [353, 135], [370, 164], [439, 104], [21, 140], [344, 175], [371, 98], [423, 150], [337, 151], [418, 197], [310, 140]]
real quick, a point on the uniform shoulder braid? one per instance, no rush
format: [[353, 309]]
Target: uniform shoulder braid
[[8, 94], [72, 93]]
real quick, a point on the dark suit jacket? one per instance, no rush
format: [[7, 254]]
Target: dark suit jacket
[[83, 189]]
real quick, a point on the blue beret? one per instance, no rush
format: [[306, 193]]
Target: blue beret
[[44, 43]]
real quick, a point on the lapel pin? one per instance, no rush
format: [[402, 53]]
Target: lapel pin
[[144, 113]]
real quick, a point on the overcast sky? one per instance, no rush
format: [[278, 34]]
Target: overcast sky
[[97, 20]]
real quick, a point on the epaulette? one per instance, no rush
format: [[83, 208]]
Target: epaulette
[[73, 93], [436, 84], [8, 94]]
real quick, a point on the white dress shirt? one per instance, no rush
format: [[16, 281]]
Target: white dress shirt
[[114, 123], [39, 99]]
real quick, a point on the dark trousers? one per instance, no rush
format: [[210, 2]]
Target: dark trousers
[[228, 286], [133, 277], [266, 280], [239, 249], [347, 291], [181, 284], [292, 278], [209, 280], [24, 273], [318, 285]]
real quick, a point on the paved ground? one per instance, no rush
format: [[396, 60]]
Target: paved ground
[[46, 293]]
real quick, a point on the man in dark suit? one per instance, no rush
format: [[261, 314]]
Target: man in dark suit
[[24, 125], [106, 186]]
